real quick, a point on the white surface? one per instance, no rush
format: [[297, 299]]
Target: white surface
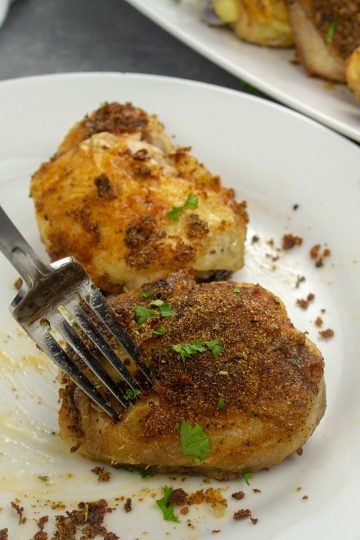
[[270, 70], [273, 158]]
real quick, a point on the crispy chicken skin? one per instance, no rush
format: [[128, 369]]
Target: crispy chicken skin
[[104, 198], [269, 375], [326, 33], [264, 22]]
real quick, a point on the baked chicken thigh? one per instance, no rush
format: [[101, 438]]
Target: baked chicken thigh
[[237, 389], [327, 34], [131, 207]]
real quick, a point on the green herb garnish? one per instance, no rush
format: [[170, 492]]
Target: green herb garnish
[[142, 473], [132, 394], [159, 331], [220, 404], [247, 476], [146, 294], [164, 505], [186, 350], [194, 441], [331, 32], [165, 309], [143, 314], [236, 289], [176, 211]]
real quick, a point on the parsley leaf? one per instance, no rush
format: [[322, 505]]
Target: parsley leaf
[[143, 473], [176, 211], [247, 476], [331, 32], [165, 309], [236, 289], [194, 441], [220, 404], [186, 350], [146, 294], [215, 347], [131, 394], [191, 201], [159, 331], [143, 314], [164, 505]]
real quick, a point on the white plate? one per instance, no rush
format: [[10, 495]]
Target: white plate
[[270, 70], [272, 157]]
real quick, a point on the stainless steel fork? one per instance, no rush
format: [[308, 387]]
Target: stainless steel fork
[[54, 295]]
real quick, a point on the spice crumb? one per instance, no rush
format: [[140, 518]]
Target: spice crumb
[[254, 520], [299, 279], [184, 511], [255, 490], [295, 207], [4, 534], [304, 302], [305, 498], [128, 505], [299, 451], [238, 495], [244, 513], [290, 240], [216, 531], [19, 510], [319, 322], [255, 239], [326, 334], [102, 474]]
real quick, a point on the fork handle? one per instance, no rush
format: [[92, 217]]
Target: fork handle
[[19, 253]]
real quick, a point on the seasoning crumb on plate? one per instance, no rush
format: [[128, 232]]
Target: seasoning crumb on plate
[[128, 505], [326, 334], [290, 240], [19, 510], [102, 474], [304, 302], [238, 495], [244, 513]]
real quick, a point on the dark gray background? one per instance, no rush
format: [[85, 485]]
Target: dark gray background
[[52, 36]]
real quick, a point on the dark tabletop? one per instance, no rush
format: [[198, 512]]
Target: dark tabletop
[[52, 36]]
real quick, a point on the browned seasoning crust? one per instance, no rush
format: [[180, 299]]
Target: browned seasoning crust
[[273, 388], [4, 534], [104, 198], [344, 15], [242, 514]]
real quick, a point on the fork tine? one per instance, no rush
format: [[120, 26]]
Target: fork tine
[[73, 340], [101, 308], [51, 347], [85, 323]]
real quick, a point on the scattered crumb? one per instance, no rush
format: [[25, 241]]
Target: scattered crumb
[[255, 490], [322, 310], [304, 302], [255, 239], [102, 474], [184, 511], [305, 498], [319, 322], [41, 534], [238, 495], [295, 207], [178, 497], [244, 513], [299, 451], [289, 241], [299, 279], [299, 488], [19, 510], [318, 256], [4, 534], [214, 531], [75, 447], [128, 505], [254, 520], [326, 334]]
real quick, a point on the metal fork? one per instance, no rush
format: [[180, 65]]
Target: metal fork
[[40, 307]]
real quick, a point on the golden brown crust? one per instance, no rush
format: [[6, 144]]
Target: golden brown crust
[[269, 375], [105, 199], [343, 15]]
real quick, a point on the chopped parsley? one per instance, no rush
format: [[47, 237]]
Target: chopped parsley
[[142, 473], [159, 331], [194, 441], [165, 309], [220, 404], [146, 294], [132, 394], [236, 289], [176, 211], [143, 314], [246, 477], [164, 505], [186, 350], [331, 32]]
